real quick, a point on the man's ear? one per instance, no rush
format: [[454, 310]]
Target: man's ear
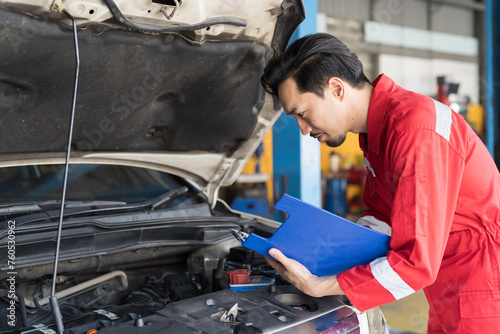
[[336, 87]]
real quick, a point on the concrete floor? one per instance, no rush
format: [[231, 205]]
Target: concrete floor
[[407, 315]]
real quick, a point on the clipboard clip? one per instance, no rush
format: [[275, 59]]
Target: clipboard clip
[[240, 235]]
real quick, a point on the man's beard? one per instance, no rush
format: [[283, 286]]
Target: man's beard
[[336, 142]]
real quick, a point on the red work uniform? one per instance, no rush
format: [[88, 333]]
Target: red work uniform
[[433, 182]]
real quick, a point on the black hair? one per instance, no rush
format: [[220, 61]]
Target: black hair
[[311, 61]]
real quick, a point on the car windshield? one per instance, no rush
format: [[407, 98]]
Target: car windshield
[[41, 183]]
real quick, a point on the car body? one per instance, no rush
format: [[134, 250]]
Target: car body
[[169, 108]]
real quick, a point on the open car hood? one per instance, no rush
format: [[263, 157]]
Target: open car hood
[[165, 84]]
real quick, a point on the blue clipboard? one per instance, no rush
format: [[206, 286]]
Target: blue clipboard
[[325, 243]]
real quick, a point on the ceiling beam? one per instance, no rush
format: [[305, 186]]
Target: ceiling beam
[[479, 6]]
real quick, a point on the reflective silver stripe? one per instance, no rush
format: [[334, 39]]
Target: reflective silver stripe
[[375, 224], [367, 164], [443, 120], [389, 279]]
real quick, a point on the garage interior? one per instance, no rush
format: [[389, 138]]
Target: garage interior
[[169, 111], [445, 49]]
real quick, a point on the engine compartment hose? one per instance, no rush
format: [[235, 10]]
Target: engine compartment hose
[[21, 303], [120, 275]]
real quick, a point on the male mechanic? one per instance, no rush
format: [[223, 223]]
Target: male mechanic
[[431, 185]]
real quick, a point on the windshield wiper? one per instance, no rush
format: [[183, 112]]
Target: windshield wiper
[[45, 206], [168, 197], [93, 207], [152, 204], [22, 208]]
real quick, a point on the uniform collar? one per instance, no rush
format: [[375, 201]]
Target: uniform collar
[[383, 87]]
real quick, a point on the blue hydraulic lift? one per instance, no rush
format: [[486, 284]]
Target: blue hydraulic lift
[[492, 100], [296, 158]]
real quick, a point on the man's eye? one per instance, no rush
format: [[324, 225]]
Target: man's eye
[[300, 114]]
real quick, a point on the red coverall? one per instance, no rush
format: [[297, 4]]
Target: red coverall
[[434, 183]]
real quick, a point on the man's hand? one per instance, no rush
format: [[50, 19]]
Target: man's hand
[[300, 277]]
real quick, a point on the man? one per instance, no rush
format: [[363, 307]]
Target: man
[[431, 185]]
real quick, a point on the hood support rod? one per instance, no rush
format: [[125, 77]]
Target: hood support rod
[[53, 298]]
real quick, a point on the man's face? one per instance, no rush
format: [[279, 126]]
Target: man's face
[[322, 118]]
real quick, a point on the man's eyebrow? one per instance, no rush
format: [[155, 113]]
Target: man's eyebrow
[[291, 111]]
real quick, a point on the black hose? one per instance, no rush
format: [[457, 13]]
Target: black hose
[[69, 310], [36, 292], [21, 306], [117, 14]]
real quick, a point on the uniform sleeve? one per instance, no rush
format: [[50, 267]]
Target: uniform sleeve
[[424, 177]]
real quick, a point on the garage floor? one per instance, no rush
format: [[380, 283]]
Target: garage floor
[[407, 315]]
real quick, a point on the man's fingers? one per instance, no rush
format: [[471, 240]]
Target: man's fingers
[[271, 262], [275, 264], [278, 261], [288, 263], [278, 255]]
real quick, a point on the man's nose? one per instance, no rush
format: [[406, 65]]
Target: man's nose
[[303, 126]]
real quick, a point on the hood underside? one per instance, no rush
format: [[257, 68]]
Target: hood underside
[[181, 94]]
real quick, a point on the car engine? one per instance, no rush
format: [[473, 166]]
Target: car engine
[[190, 296]]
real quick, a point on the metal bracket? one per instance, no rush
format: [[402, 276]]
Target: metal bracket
[[57, 6], [164, 9]]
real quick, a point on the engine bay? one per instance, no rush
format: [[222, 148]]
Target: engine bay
[[195, 293]]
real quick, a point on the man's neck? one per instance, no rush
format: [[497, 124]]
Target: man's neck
[[360, 99]]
